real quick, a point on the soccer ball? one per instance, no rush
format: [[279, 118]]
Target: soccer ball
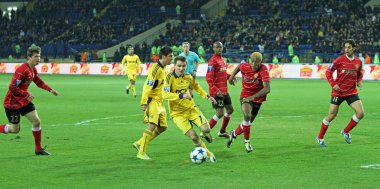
[[198, 155]]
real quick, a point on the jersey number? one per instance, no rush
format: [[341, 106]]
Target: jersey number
[[14, 118]]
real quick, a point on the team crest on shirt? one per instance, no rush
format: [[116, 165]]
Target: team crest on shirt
[[18, 82], [357, 67], [167, 89], [150, 82], [209, 68]]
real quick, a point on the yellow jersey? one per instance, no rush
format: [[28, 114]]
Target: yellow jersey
[[152, 89], [133, 63], [175, 86]]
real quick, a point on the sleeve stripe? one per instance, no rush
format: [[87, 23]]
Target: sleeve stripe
[[154, 73], [168, 77]]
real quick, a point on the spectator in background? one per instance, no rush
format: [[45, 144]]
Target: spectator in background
[[361, 58], [104, 57], [18, 51], [275, 59], [83, 58], [317, 60], [290, 50], [376, 59], [295, 59], [116, 56], [178, 11], [367, 59]]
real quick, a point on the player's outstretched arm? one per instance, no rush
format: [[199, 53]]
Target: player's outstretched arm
[[232, 79], [54, 92]]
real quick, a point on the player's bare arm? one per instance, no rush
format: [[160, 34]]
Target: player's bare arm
[[359, 85], [54, 92], [30, 98], [212, 99], [259, 94], [232, 80], [143, 107], [336, 87]]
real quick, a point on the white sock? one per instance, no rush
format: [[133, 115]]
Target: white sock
[[215, 118]]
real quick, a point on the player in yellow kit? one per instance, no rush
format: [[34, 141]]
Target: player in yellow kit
[[152, 102], [182, 107], [130, 64]]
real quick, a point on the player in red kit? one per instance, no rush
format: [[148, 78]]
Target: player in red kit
[[256, 86], [217, 77], [349, 76], [18, 101]]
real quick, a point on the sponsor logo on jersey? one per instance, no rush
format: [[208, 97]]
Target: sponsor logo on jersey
[[209, 68], [150, 82], [167, 89], [18, 82]]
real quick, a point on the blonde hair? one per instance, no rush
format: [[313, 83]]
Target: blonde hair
[[255, 55]]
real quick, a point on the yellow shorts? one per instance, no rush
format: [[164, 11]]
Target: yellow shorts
[[131, 74], [156, 113], [189, 118]]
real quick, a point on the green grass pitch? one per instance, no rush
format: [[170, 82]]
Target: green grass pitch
[[90, 127]]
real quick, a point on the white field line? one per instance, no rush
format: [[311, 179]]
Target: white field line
[[373, 166], [91, 121]]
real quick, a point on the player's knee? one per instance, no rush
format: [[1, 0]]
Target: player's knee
[[36, 123], [360, 115], [332, 114], [247, 117]]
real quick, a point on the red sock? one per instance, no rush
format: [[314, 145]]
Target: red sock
[[239, 130], [246, 130], [323, 130], [37, 139], [213, 121], [2, 129], [226, 120], [350, 126]]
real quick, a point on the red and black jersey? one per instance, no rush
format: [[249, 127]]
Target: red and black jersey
[[349, 73], [252, 81], [216, 75], [17, 94]]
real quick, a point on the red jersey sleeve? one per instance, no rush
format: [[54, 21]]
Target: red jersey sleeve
[[330, 70], [17, 79], [38, 81], [210, 77], [265, 75], [360, 74]]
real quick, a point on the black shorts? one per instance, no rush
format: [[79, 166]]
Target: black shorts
[[221, 102], [255, 106], [15, 115], [349, 99]]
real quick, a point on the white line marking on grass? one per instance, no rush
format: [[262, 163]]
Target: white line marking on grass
[[373, 166], [91, 121], [104, 118]]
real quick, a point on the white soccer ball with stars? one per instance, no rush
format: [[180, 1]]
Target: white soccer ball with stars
[[198, 155]]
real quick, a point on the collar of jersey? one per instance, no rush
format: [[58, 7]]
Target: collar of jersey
[[159, 63]]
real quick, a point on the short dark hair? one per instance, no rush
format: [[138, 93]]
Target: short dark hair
[[351, 42], [165, 51], [33, 50], [179, 58]]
